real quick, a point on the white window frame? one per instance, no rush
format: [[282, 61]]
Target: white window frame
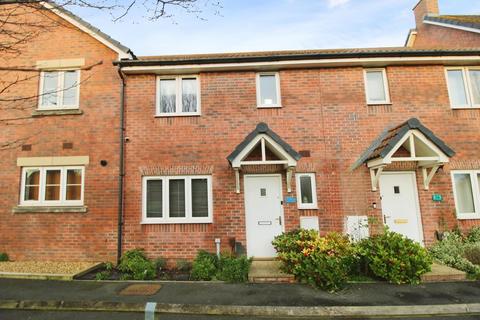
[[178, 92], [278, 91], [165, 201], [476, 194], [63, 188], [385, 86], [300, 204], [60, 90], [468, 87]]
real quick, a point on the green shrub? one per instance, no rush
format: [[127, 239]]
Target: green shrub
[[102, 275], [3, 256], [472, 253], [395, 258], [204, 266], [160, 263], [451, 252], [323, 262], [474, 235], [233, 269], [135, 265], [184, 265]]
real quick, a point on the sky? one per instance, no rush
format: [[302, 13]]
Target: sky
[[262, 25]]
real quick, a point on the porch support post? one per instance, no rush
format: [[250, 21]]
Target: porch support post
[[289, 179], [237, 180], [375, 174], [428, 176]]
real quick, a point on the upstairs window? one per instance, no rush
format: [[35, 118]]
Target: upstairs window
[[52, 186], [59, 90], [376, 86], [306, 191], [464, 87], [268, 90], [178, 96], [466, 189], [177, 199]]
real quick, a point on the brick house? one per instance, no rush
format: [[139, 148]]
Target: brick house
[[232, 149]]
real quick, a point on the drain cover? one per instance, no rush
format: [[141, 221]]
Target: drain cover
[[140, 290]]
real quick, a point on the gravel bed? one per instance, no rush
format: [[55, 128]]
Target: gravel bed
[[44, 267]]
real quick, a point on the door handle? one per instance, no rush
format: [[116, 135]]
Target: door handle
[[385, 218], [279, 220]]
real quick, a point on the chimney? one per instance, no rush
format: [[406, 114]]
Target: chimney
[[423, 8]]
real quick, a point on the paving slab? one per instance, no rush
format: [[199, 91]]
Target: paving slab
[[442, 272], [45, 270]]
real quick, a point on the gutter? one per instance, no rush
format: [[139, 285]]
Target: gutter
[[297, 57], [121, 175]]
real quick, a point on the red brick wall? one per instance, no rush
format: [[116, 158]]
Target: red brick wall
[[323, 111], [89, 236], [431, 36]]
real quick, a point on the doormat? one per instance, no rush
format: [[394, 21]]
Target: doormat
[[140, 290]]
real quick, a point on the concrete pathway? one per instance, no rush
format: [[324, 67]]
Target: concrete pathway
[[380, 299]]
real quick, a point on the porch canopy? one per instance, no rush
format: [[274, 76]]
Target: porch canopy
[[410, 141], [263, 147]]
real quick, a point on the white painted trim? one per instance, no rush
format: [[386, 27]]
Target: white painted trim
[[278, 91], [275, 65], [300, 204], [178, 96], [59, 90], [453, 26], [475, 193], [42, 184], [57, 64], [188, 219], [412, 36], [287, 159], [386, 88], [417, 200], [52, 161], [468, 86], [121, 53]]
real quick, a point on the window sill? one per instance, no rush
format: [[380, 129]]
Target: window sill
[[469, 217], [269, 107], [57, 112], [177, 115], [465, 108], [176, 222], [307, 208], [379, 104], [50, 209]]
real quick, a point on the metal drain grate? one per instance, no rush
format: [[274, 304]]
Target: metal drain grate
[[140, 290]]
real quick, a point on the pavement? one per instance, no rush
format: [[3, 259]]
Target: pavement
[[221, 299]]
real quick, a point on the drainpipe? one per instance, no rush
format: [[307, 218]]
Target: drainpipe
[[121, 166]]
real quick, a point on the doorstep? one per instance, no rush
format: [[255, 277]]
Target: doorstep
[[268, 271], [442, 273]]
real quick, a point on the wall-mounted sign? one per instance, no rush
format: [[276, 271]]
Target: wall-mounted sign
[[437, 197], [290, 200]]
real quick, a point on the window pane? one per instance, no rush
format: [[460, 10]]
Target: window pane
[[32, 185], [70, 87], [199, 198], [154, 199], [463, 189], [475, 85], [52, 185], [376, 86], [268, 90], [189, 95], [167, 95], [306, 189], [456, 87], [74, 184], [177, 198], [49, 93]]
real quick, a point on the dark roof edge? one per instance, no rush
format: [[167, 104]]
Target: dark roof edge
[[316, 56]]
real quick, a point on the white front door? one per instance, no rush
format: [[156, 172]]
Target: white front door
[[400, 207], [263, 213]]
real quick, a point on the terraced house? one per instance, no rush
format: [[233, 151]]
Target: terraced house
[[181, 153]]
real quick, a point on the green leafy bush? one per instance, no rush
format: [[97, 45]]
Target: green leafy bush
[[323, 262], [184, 265], [160, 263], [233, 269], [135, 265], [395, 258], [205, 266], [474, 235], [102, 275], [451, 252], [472, 253], [3, 256]]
